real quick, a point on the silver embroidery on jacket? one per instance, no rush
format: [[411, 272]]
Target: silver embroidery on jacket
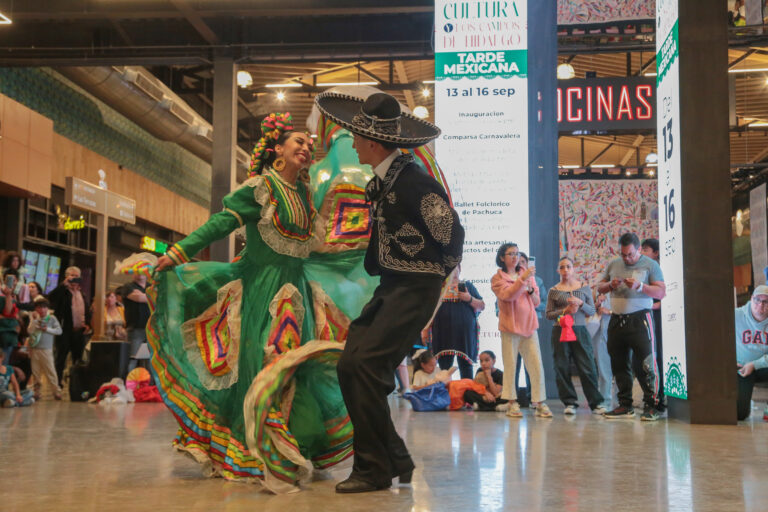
[[438, 218]]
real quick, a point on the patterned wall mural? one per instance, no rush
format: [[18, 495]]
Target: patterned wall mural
[[588, 12], [595, 213]]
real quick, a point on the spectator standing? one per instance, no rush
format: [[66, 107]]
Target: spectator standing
[[751, 348], [13, 261], [518, 297], [136, 314], [9, 323], [454, 328], [650, 248], [114, 318], [43, 326], [633, 281], [524, 393], [73, 313], [600, 347], [571, 297]]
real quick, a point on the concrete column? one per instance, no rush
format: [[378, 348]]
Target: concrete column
[[706, 212], [542, 158], [224, 143]]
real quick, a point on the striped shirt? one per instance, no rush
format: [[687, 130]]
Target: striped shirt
[[557, 301]]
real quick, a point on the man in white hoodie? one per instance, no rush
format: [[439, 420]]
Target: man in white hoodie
[[751, 347]]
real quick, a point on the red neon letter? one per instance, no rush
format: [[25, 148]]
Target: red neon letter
[[569, 99], [602, 104], [624, 105], [643, 92], [589, 104], [559, 105]]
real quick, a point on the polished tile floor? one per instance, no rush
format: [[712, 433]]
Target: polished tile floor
[[61, 456]]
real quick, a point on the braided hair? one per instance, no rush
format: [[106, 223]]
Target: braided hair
[[275, 129]]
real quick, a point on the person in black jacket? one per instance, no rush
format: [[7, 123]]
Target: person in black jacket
[[416, 242], [73, 312]]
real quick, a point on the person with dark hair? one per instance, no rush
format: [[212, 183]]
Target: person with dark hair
[[650, 248], [524, 393], [426, 372], [574, 298], [9, 311], [13, 261], [73, 312], [493, 380], [416, 242], [633, 280], [518, 297], [245, 352]]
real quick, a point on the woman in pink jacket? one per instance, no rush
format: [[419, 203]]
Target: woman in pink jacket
[[518, 297]]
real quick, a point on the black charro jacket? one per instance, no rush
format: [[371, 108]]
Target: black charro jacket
[[415, 230]]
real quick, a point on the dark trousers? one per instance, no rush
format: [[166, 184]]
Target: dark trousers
[[473, 397], [632, 346], [71, 340], [746, 384], [581, 353], [659, 357], [377, 342], [465, 367]]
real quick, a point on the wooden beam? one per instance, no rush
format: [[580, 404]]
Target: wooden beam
[[402, 76], [636, 144]]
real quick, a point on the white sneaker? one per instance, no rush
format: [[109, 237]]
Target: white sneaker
[[569, 409], [600, 410], [502, 407], [542, 411], [475, 406], [513, 411]]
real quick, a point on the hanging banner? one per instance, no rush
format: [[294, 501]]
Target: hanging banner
[[481, 104], [758, 234], [590, 12], [670, 198]]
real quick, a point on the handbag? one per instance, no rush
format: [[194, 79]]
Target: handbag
[[434, 397]]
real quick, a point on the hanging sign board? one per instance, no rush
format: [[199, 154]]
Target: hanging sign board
[[92, 198]]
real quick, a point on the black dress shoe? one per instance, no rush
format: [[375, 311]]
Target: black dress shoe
[[405, 478], [354, 485]]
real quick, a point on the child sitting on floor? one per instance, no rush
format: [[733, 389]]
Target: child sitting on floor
[[426, 372], [10, 393], [492, 379]]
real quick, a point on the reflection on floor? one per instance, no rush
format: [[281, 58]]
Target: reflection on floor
[[65, 456]]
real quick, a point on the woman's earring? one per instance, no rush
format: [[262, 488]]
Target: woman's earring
[[278, 164]]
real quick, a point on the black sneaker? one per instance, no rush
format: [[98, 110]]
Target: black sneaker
[[620, 412], [649, 414]]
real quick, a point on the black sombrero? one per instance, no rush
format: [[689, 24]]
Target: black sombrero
[[378, 118]]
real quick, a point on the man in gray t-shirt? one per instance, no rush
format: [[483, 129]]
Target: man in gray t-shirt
[[633, 281]]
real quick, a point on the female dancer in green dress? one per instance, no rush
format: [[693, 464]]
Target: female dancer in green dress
[[245, 352]]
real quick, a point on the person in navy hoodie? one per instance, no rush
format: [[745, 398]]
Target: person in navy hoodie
[[751, 347]]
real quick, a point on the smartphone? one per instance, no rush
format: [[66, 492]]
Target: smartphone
[[532, 261], [462, 287], [75, 280], [10, 281]]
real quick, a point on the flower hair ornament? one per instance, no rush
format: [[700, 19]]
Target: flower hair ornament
[[272, 127]]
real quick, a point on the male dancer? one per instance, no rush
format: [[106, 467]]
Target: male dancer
[[416, 242]]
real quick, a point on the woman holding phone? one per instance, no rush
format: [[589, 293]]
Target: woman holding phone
[[455, 328], [9, 325]]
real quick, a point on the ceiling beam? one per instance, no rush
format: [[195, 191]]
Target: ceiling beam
[[636, 144], [760, 156], [196, 21], [601, 153], [741, 57], [402, 77]]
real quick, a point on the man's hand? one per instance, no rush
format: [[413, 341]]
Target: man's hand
[[615, 283], [465, 296], [746, 369], [604, 311], [632, 283]]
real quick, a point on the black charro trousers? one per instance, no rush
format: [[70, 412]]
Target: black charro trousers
[[378, 340]]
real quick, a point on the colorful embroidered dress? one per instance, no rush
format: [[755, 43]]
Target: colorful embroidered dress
[[245, 352]]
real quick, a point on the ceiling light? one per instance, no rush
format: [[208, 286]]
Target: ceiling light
[[5, 20], [748, 70], [602, 166], [425, 92], [651, 173], [565, 71], [421, 112], [289, 84], [651, 158], [628, 173], [650, 73], [427, 81], [337, 84], [280, 96], [244, 79], [570, 166], [758, 124]]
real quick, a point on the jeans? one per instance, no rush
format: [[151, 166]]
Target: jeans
[[136, 337], [604, 373]]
